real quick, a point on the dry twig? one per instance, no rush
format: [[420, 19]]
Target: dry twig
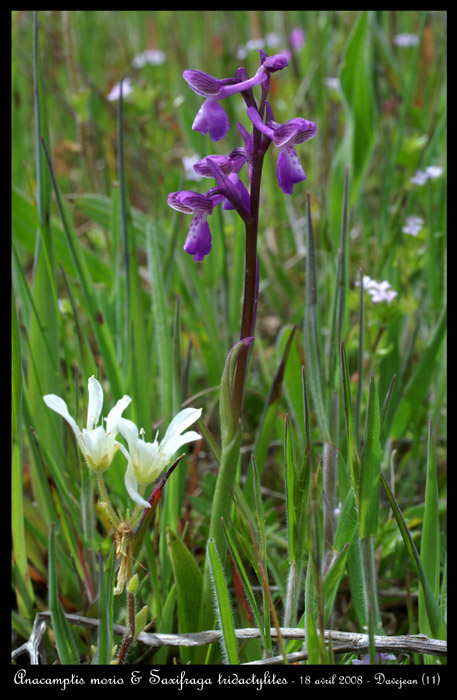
[[342, 642]]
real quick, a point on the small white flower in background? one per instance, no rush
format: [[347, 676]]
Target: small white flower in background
[[405, 39], [379, 291], [188, 163], [413, 225], [115, 92], [272, 39], [332, 83], [382, 292], [431, 172], [154, 57], [148, 460], [420, 177], [434, 171], [97, 445]]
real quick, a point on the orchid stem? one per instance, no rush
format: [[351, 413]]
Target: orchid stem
[[248, 318]]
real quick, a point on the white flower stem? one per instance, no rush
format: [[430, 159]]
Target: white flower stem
[[106, 502]]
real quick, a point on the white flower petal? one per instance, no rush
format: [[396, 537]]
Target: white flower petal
[[129, 432], [55, 403], [116, 412], [181, 421], [174, 443], [131, 486], [95, 403]]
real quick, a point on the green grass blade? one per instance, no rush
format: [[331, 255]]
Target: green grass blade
[[105, 610], [245, 580], [312, 351], [353, 456], [65, 642], [270, 410], [430, 541], [290, 488], [332, 581], [162, 330], [24, 588], [44, 324], [416, 390], [223, 605], [99, 326], [137, 346], [356, 148], [188, 580], [370, 467], [388, 180], [435, 617]]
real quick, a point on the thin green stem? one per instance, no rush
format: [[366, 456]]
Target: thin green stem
[[106, 501]]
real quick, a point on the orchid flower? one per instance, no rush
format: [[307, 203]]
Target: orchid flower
[[148, 460], [97, 445], [230, 166], [289, 170], [211, 117], [198, 241]]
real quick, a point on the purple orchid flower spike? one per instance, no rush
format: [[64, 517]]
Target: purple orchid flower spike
[[289, 170], [211, 117], [198, 241]]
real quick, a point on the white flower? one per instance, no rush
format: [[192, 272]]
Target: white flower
[[413, 225], [155, 57], [406, 39], [332, 83], [419, 178], [188, 163], [115, 92], [148, 460], [434, 171], [380, 291], [431, 172], [97, 445]]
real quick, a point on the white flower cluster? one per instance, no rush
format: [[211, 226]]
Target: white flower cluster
[[379, 291], [432, 172], [152, 57], [146, 460], [413, 225]]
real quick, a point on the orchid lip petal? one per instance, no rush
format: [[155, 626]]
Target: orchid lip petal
[[211, 118], [289, 169], [198, 241]]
